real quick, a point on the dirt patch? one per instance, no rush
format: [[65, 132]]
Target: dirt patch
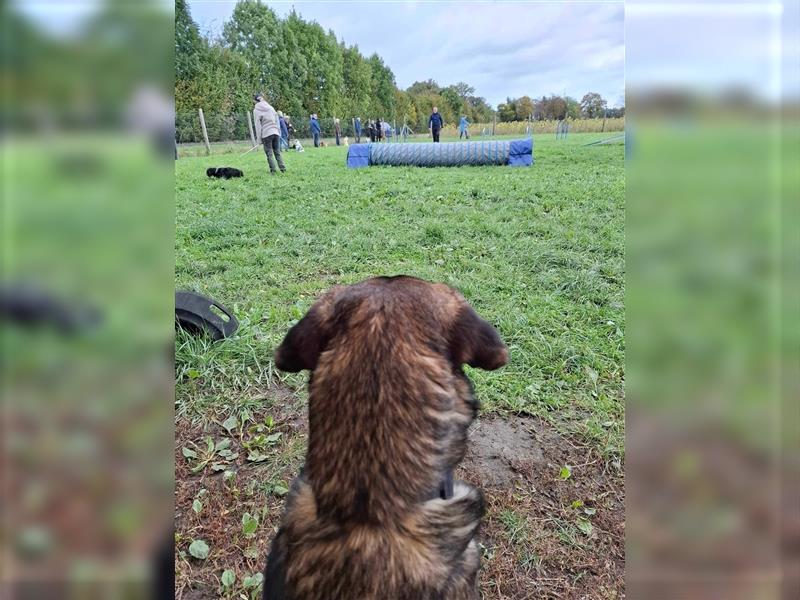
[[494, 444], [555, 523]]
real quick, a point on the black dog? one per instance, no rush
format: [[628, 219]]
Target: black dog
[[226, 172]]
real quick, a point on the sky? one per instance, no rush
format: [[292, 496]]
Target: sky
[[712, 45], [502, 49]]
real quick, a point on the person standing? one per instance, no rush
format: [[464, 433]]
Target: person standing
[[316, 130], [337, 130], [266, 122], [357, 127], [435, 124], [378, 132], [463, 127], [371, 131], [284, 131], [289, 127]]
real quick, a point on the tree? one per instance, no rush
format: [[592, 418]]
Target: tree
[[293, 65], [463, 89], [453, 104], [480, 111], [418, 88], [254, 32], [357, 75], [507, 111], [523, 108], [593, 105], [573, 107], [383, 87], [189, 44], [404, 108]]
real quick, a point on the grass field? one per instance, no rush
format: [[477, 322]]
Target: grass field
[[538, 251]]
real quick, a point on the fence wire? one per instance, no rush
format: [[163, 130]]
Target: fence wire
[[234, 127]]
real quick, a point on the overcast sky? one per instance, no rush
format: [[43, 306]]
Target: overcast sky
[[500, 48]]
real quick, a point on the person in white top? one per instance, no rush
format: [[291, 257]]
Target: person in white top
[[265, 119]]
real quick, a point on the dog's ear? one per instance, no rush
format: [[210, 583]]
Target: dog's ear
[[303, 344], [475, 342], [306, 340]]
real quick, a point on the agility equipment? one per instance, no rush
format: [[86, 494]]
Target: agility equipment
[[515, 153], [616, 138]]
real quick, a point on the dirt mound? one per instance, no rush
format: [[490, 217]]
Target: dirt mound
[[494, 444]]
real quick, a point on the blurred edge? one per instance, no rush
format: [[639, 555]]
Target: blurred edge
[[86, 295], [712, 300]]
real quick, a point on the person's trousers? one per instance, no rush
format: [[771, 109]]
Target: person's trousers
[[272, 145], [337, 140], [435, 135], [316, 140], [463, 133], [358, 138]]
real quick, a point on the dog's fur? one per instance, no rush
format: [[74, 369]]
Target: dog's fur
[[297, 145], [346, 141], [226, 172], [389, 408], [322, 144]]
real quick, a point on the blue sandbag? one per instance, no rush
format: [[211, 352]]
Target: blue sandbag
[[358, 156], [451, 154]]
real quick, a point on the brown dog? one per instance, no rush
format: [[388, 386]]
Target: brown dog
[[389, 408]]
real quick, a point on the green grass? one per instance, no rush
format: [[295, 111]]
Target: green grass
[[538, 251]]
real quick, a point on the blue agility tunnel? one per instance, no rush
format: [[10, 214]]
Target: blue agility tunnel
[[515, 153]]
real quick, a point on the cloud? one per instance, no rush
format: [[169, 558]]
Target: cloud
[[500, 48]]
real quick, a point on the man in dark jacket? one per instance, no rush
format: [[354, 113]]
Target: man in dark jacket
[[316, 130], [435, 124], [371, 131], [357, 127], [284, 131], [378, 134]]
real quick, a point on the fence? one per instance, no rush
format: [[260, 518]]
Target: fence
[[235, 127]]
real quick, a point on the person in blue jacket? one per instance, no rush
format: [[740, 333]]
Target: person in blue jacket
[[463, 127], [357, 127], [435, 124], [284, 131], [316, 130]]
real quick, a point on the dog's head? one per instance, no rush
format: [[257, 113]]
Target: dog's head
[[428, 317], [211, 171]]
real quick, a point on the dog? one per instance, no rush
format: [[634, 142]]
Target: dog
[[322, 144], [346, 141], [297, 145], [226, 172], [389, 409]]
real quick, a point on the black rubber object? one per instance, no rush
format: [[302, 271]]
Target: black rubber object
[[193, 313]]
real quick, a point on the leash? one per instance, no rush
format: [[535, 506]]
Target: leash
[[251, 149]]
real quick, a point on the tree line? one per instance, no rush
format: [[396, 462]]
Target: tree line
[[303, 69], [591, 106]]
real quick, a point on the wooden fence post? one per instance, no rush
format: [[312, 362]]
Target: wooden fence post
[[205, 132], [494, 122], [250, 127]]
